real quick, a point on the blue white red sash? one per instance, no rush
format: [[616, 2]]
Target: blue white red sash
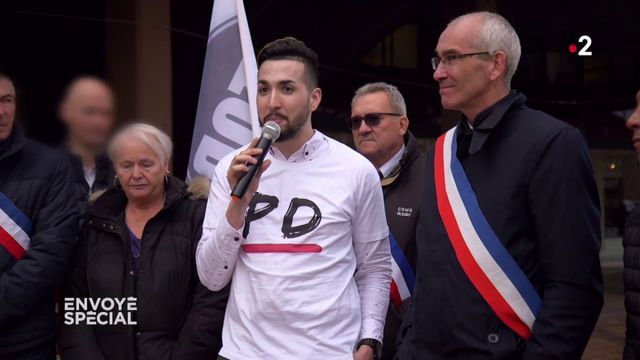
[[402, 277], [15, 228], [483, 257]]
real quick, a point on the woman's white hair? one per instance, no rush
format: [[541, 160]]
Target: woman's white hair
[[497, 34], [150, 135]]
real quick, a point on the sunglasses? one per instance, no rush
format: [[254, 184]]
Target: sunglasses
[[371, 119]]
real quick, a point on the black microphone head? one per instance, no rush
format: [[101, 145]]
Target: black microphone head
[[271, 130]]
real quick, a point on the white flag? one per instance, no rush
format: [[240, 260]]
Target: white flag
[[227, 117]]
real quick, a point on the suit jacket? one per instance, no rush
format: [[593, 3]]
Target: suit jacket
[[534, 183]]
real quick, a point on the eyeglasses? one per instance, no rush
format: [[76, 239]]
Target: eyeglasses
[[371, 119], [451, 58]]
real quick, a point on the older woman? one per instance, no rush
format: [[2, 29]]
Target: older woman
[[139, 241]]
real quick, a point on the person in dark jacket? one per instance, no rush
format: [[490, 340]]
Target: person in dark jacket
[[87, 110], [509, 231], [139, 240], [38, 225], [380, 129], [631, 244]]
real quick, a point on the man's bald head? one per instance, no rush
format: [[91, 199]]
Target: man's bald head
[[87, 86], [87, 109]]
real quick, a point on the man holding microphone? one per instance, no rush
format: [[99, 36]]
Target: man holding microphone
[[305, 247]]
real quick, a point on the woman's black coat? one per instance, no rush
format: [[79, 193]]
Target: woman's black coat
[[177, 317]]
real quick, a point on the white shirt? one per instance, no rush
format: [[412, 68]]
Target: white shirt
[[305, 305], [390, 165], [89, 175]]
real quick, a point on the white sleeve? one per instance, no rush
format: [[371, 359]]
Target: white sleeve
[[373, 279], [369, 222], [217, 250], [373, 256]]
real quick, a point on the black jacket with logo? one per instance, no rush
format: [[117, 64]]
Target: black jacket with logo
[[534, 183], [402, 203], [177, 317], [37, 180]]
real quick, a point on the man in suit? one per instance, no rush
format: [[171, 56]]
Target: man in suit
[[509, 232]]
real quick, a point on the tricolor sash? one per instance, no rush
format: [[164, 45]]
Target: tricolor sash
[[483, 257], [402, 277], [15, 228]]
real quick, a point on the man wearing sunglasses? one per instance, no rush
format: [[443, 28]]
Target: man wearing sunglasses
[[509, 233], [379, 125]]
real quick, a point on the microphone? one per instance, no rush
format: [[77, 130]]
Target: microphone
[[270, 133]]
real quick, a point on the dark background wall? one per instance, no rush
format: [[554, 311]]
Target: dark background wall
[[45, 44], [349, 34]]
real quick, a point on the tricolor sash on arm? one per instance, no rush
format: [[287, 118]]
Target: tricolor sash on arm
[[15, 228], [483, 257], [402, 277]]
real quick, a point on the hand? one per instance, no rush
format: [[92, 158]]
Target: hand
[[365, 352], [238, 168]]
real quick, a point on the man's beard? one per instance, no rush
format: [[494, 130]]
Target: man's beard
[[292, 127]]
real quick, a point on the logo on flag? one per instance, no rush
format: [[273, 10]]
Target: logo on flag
[[483, 257], [227, 116], [15, 228]]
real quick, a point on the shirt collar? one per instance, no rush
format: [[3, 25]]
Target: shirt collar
[[307, 152], [488, 119], [391, 165]]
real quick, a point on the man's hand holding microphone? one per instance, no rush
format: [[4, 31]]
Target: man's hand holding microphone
[[245, 172]]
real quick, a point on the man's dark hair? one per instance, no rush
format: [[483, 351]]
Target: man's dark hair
[[289, 48]]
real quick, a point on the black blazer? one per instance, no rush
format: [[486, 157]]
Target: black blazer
[[534, 182]]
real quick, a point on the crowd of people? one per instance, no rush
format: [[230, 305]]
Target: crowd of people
[[484, 247]]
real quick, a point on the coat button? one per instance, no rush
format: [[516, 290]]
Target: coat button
[[90, 222], [138, 334], [493, 338], [131, 273]]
